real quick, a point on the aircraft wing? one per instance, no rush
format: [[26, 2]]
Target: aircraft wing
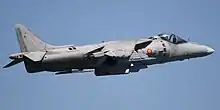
[[125, 49], [119, 49], [94, 50]]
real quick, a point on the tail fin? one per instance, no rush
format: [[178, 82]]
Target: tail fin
[[28, 41]]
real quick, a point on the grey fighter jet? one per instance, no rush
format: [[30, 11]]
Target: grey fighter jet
[[104, 58]]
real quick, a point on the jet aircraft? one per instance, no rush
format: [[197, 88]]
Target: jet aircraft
[[104, 58]]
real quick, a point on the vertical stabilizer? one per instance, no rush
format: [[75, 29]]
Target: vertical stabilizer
[[28, 41]]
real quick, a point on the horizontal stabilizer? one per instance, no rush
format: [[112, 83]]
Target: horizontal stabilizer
[[35, 56], [12, 63]]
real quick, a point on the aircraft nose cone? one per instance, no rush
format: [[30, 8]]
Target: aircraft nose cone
[[209, 50]]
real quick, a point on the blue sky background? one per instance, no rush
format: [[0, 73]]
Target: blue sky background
[[186, 85]]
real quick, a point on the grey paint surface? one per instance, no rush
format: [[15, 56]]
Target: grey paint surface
[[107, 58]]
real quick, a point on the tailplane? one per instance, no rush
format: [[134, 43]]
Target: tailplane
[[31, 47], [28, 41]]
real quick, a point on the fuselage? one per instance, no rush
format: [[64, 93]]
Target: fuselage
[[73, 57], [106, 58]]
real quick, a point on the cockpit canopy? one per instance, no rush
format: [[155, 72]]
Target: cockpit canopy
[[172, 38]]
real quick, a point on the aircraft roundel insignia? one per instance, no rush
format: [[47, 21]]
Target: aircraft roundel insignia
[[149, 51]]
